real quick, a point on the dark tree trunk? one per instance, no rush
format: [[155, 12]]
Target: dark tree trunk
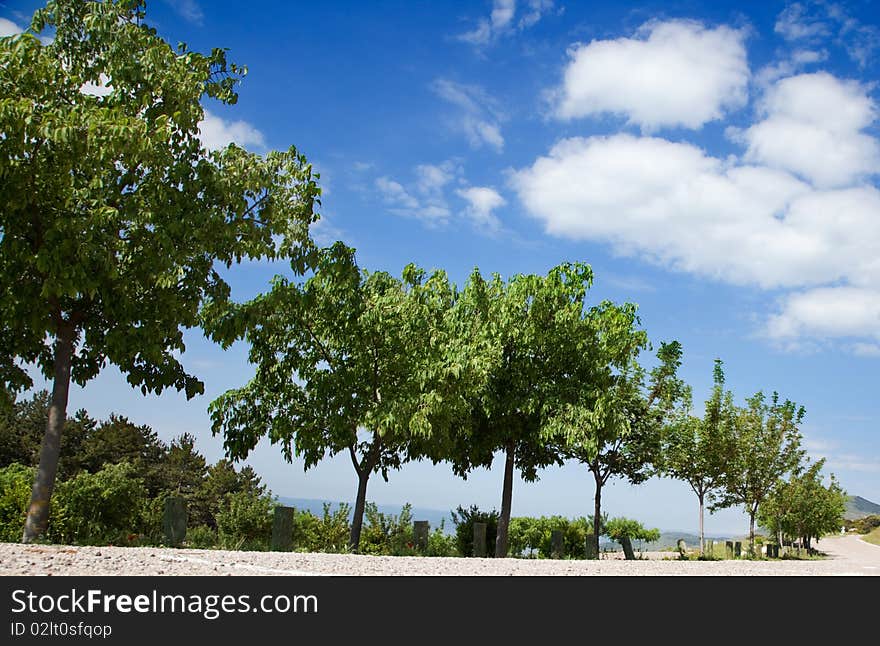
[[506, 497], [50, 451], [752, 512], [702, 496], [360, 502], [597, 513]]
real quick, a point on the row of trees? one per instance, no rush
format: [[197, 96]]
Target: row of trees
[[117, 222]]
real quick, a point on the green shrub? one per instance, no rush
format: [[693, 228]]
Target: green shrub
[[201, 537], [244, 521], [464, 520], [387, 534], [98, 508], [329, 533], [16, 481], [440, 543], [864, 525], [532, 537]]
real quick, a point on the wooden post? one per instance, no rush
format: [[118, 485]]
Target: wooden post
[[557, 549], [590, 551], [174, 520], [728, 549], [627, 546], [480, 540], [282, 530], [420, 535], [709, 548], [737, 549]]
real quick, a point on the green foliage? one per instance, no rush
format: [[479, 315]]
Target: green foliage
[[15, 492], [327, 533], [766, 447], [862, 525], [464, 520], [803, 507], [440, 543], [532, 536], [387, 533], [98, 508], [244, 521], [335, 367], [201, 537], [619, 528], [115, 220]]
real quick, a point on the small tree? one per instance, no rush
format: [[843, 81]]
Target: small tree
[[625, 530], [113, 215], [345, 363], [614, 424], [695, 449], [765, 448], [803, 507]]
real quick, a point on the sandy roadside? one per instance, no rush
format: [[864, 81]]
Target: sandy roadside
[[848, 556]]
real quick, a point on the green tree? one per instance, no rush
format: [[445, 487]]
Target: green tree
[[344, 363], [614, 423], [803, 507], [766, 448], [626, 530], [522, 336], [118, 439], [114, 217], [695, 449]]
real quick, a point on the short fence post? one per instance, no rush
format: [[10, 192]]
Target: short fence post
[[420, 535], [480, 540], [282, 530], [174, 520], [557, 550]]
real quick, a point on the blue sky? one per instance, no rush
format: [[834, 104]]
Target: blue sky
[[716, 163]]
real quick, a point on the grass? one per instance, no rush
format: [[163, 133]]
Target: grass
[[873, 536]]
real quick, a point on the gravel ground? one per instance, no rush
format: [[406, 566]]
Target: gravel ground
[[847, 555]]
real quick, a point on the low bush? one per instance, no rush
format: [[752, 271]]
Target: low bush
[[16, 481], [464, 520]]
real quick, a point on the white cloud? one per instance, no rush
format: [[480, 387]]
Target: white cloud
[[217, 133], [817, 21], [425, 199], [813, 126], [501, 21], [675, 73], [796, 23], [482, 201], [9, 28], [865, 349], [828, 312], [189, 10], [101, 88], [480, 114]]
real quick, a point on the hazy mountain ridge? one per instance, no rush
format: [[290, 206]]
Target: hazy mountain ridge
[[858, 507]]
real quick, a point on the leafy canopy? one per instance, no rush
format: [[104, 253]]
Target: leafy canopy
[[114, 218]]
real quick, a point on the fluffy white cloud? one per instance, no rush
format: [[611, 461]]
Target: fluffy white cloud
[[217, 133], [9, 28], [673, 204], [813, 126], [479, 113], [674, 73], [828, 312], [482, 201]]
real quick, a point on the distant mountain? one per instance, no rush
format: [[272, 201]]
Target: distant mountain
[[858, 507]]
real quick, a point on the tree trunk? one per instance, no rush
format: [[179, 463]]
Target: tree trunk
[[597, 513], [752, 512], [50, 451], [360, 502], [506, 497], [701, 496]]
